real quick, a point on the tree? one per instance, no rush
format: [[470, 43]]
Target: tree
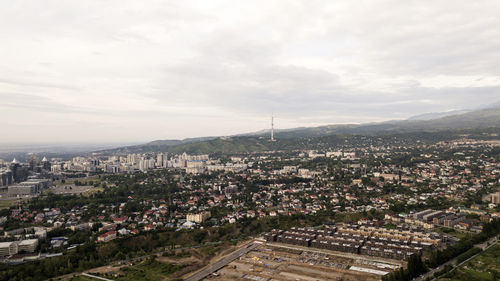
[[414, 269], [416, 266]]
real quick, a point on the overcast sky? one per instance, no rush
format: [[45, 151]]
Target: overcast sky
[[117, 71]]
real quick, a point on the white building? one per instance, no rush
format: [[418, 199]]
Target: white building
[[8, 248], [198, 218], [28, 246]]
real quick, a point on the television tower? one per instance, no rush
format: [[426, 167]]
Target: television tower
[[272, 127]]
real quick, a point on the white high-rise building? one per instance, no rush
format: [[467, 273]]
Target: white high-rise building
[[160, 158], [144, 164]]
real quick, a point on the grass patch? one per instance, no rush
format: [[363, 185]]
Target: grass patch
[[450, 231], [178, 255], [5, 204], [151, 269], [210, 251], [485, 266], [80, 181], [390, 226], [93, 190]]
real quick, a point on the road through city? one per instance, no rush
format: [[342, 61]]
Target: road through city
[[209, 269]]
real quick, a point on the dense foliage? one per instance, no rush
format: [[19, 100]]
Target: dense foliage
[[441, 256], [465, 247], [415, 268], [90, 254], [463, 257]]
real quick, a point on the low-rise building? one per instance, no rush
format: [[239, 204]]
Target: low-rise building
[[106, 237], [28, 246], [198, 218], [8, 248]]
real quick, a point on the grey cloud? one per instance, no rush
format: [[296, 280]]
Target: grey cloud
[[175, 69], [37, 104], [20, 82]]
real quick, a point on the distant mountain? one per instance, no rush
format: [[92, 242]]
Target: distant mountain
[[493, 105], [303, 138], [177, 142], [157, 145], [483, 118], [436, 115], [475, 119]]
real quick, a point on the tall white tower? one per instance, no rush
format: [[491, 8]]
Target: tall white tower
[[272, 127]]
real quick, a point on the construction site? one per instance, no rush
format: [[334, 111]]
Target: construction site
[[343, 252], [278, 262]]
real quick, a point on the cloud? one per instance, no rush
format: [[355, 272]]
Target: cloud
[[128, 70]]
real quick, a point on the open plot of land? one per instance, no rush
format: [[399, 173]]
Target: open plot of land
[[271, 262], [486, 266], [6, 203], [73, 189], [76, 186], [83, 181], [169, 266], [149, 269]]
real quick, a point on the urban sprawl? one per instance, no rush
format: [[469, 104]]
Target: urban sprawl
[[377, 200]]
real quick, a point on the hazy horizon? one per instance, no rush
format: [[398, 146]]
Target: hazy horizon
[[97, 72]]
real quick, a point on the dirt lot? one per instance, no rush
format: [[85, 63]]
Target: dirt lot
[[72, 189], [274, 263]]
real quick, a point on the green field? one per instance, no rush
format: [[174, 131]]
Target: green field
[[485, 266], [5, 204], [149, 269], [451, 231], [83, 181]]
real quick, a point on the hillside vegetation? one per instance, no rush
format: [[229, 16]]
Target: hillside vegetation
[[475, 123]]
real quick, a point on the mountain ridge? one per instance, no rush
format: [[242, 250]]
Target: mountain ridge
[[483, 118]]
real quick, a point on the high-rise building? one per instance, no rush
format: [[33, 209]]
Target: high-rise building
[[45, 164], [272, 127], [33, 162], [19, 172], [5, 177], [143, 165], [160, 160]]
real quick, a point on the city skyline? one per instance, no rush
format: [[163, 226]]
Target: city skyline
[[269, 139], [130, 72]]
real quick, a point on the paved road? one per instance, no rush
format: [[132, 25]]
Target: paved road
[[122, 262], [483, 246], [96, 277], [222, 262]]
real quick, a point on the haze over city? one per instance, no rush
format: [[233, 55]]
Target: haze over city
[[266, 140], [129, 71]]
